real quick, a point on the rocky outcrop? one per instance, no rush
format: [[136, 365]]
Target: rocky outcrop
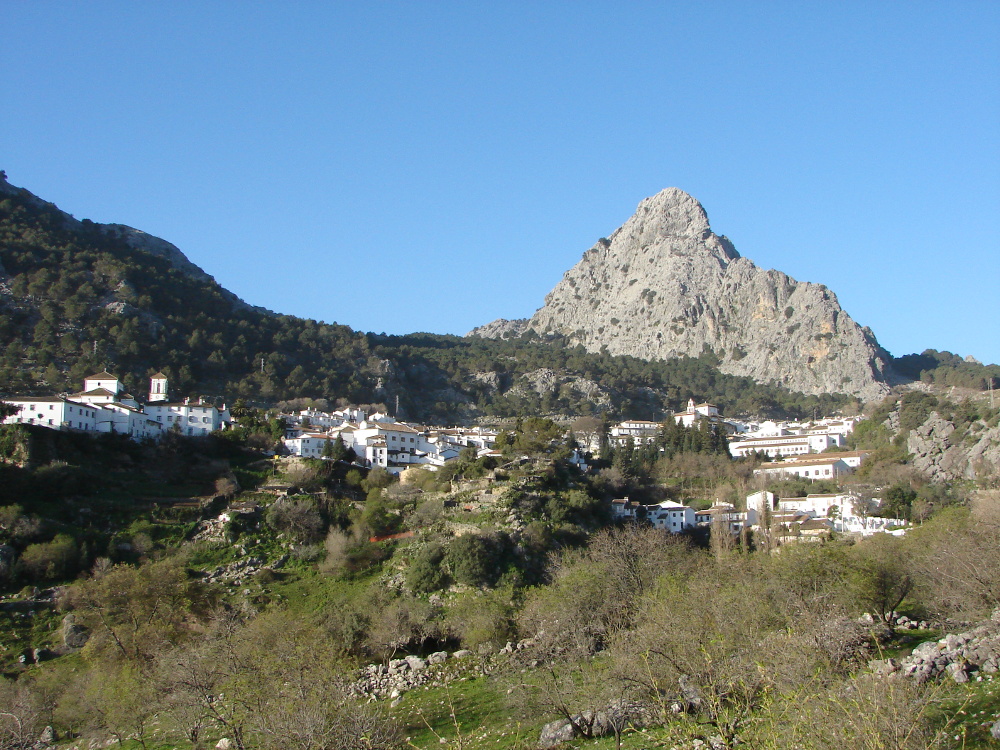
[[664, 285], [74, 635], [147, 243], [600, 723], [545, 380], [501, 328], [945, 453], [958, 656]]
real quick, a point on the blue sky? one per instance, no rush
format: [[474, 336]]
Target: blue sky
[[432, 166]]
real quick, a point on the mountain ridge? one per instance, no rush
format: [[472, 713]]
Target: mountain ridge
[[77, 297], [137, 239]]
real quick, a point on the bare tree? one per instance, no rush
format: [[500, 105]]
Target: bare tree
[[20, 716]]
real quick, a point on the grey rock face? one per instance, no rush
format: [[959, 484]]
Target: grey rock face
[[944, 456], [544, 381], [74, 636], [664, 285], [139, 240], [501, 329]]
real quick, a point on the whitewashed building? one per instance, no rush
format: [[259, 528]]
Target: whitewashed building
[[696, 413], [828, 466], [670, 515], [638, 430], [192, 417], [54, 412], [786, 445]]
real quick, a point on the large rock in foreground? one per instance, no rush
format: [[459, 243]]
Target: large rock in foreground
[[664, 285]]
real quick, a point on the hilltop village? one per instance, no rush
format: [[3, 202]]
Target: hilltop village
[[812, 450]]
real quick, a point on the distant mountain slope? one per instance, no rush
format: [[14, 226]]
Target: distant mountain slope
[[664, 285], [76, 297]]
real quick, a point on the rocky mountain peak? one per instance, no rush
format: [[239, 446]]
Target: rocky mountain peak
[[664, 285], [671, 213]]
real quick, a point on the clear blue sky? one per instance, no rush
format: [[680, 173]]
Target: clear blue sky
[[432, 166]]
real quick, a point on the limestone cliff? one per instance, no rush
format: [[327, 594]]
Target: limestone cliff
[[664, 285], [945, 452]]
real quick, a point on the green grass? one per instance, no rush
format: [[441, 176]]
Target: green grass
[[905, 641], [208, 555], [970, 710], [474, 710], [307, 591], [21, 630]]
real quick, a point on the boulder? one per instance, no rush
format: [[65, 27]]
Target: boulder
[[416, 663], [555, 733], [957, 672], [47, 738], [74, 636]]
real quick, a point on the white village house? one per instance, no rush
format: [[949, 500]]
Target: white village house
[[54, 412], [380, 440], [826, 466], [103, 406], [639, 430], [697, 412], [670, 515]]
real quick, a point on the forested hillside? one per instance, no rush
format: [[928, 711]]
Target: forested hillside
[[945, 368]]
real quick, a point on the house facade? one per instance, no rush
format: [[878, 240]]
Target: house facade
[[828, 466], [670, 515], [195, 418], [55, 412]]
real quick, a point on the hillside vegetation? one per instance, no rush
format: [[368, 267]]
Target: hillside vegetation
[[200, 592]]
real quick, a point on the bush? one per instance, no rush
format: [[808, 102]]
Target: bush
[[299, 517], [379, 518], [426, 573], [378, 478], [478, 619], [50, 561], [265, 576], [474, 560]]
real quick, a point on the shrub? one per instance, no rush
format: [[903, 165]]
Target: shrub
[[49, 561], [299, 517], [474, 559], [426, 573]]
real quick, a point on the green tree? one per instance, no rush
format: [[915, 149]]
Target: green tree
[[426, 573], [882, 576], [134, 613], [474, 559]]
